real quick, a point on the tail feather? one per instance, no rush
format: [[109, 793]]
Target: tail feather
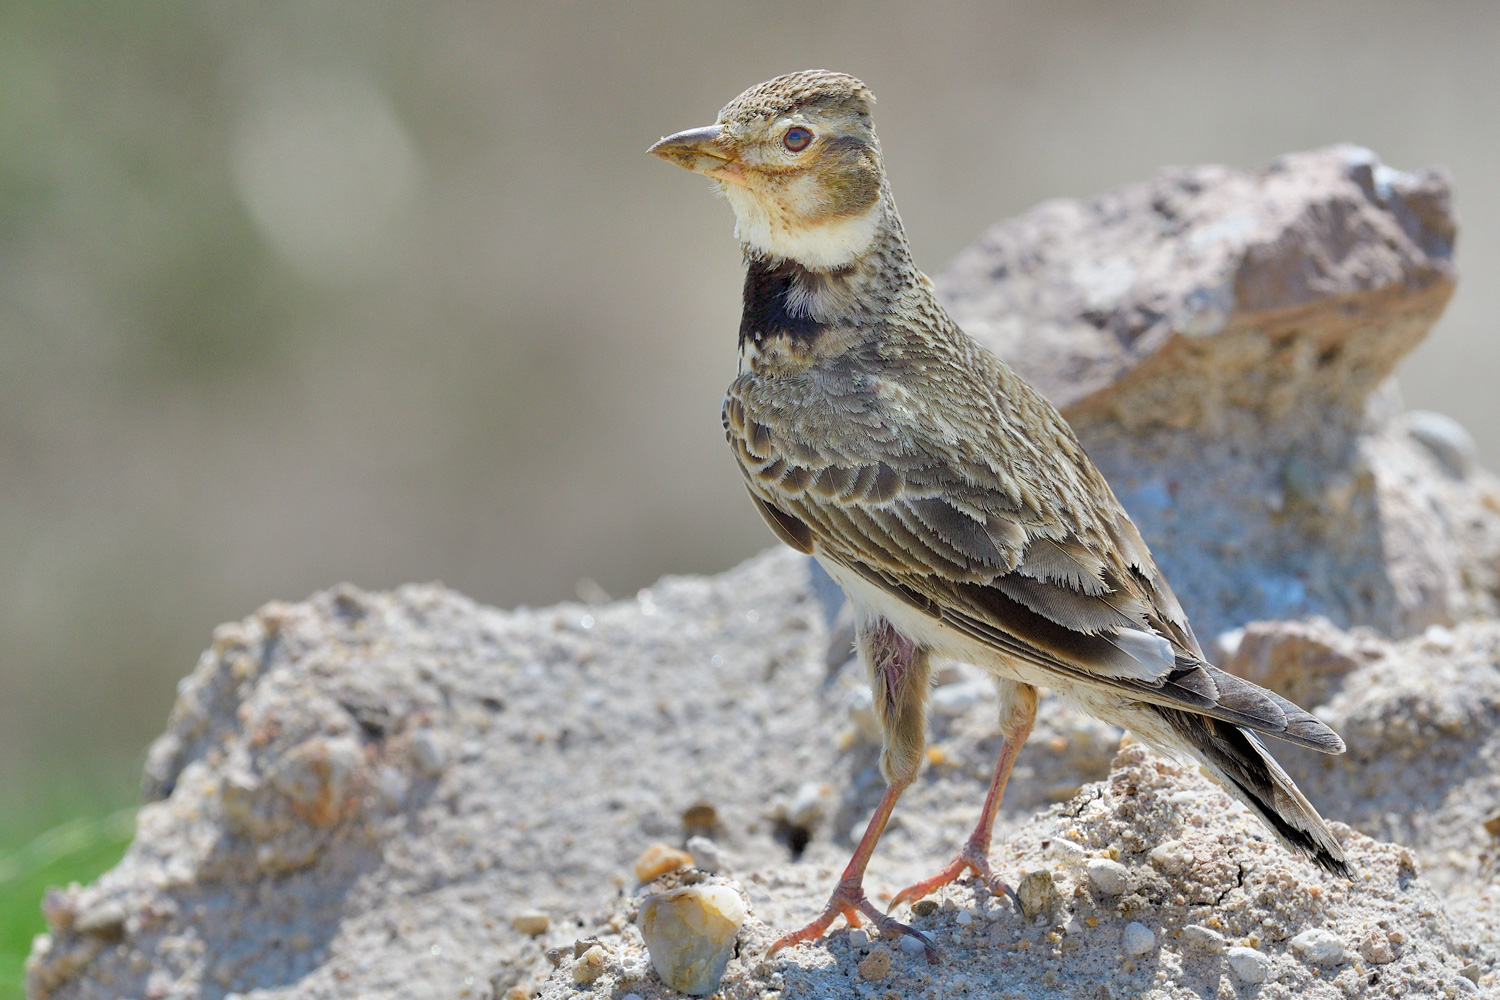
[[1243, 765]]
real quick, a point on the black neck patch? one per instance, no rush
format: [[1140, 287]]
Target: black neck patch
[[769, 287]]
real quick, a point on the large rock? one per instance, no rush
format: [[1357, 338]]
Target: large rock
[[1222, 342], [406, 794]]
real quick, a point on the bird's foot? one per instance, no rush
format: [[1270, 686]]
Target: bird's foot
[[849, 901], [971, 858]]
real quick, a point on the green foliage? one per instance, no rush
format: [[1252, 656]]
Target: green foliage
[[78, 850]]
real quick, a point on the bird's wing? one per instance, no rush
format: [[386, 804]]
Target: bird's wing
[[1036, 559]]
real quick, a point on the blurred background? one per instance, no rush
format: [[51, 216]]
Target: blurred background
[[299, 293]]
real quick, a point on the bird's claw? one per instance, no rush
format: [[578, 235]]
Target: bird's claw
[[851, 903], [971, 858]]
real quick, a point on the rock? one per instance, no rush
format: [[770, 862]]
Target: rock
[[876, 965], [1221, 340], [1446, 438], [1066, 853], [690, 933], [911, 945], [1306, 661], [532, 923], [808, 805], [1038, 893], [428, 752], [1204, 939], [1318, 946], [1137, 940], [1376, 948], [658, 860], [1248, 965], [705, 854], [590, 965], [1109, 877], [1173, 857]]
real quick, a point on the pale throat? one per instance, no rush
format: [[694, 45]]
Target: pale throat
[[824, 245]]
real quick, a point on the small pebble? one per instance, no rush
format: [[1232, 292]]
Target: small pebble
[[1173, 857], [1196, 937], [858, 937], [1248, 965], [1038, 894], [1471, 972], [428, 752], [912, 945], [924, 907], [1448, 441], [658, 859], [1319, 947], [706, 854], [690, 933], [1137, 940], [590, 965], [877, 964], [806, 807], [392, 784], [1065, 852], [1376, 948], [1109, 877], [964, 918], [531, 922]]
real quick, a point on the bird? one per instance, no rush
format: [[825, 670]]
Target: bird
[[950, 499]]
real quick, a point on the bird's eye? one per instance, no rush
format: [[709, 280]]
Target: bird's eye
[[797, 138]]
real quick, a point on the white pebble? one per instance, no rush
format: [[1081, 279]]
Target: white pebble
[[1249, 965], [531, 922], [392, 784], [1137, 940], [1319, 947], [807, 805], [690, 933], [1205, 939], [858, 938], [964, 918], [428, 752], [1173, 857], [1445, 438], [1109, 877], [912, 945], [1065, 852], [706, 854]]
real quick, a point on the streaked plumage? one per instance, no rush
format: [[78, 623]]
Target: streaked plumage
[[950, 499]]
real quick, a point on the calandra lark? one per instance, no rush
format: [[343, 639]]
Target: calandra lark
[[950, 500]]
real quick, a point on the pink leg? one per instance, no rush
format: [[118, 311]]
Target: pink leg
[[849, 898], [898, 674], [1018, 714]]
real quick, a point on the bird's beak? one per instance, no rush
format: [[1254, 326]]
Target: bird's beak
[[703, 151]]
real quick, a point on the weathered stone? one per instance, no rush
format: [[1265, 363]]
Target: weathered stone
[[690, 933], [1220, 340], [1110, 878], [1319, 947], [1248, 965]]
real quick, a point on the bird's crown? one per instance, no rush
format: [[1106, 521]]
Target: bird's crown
[[801, 91]]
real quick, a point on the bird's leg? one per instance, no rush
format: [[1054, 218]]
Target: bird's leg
[[898, 677], [1017, 713]]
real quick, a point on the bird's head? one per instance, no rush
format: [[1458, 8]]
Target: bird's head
[[799, 163]]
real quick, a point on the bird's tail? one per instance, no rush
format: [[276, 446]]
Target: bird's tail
[[1236, 757]]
